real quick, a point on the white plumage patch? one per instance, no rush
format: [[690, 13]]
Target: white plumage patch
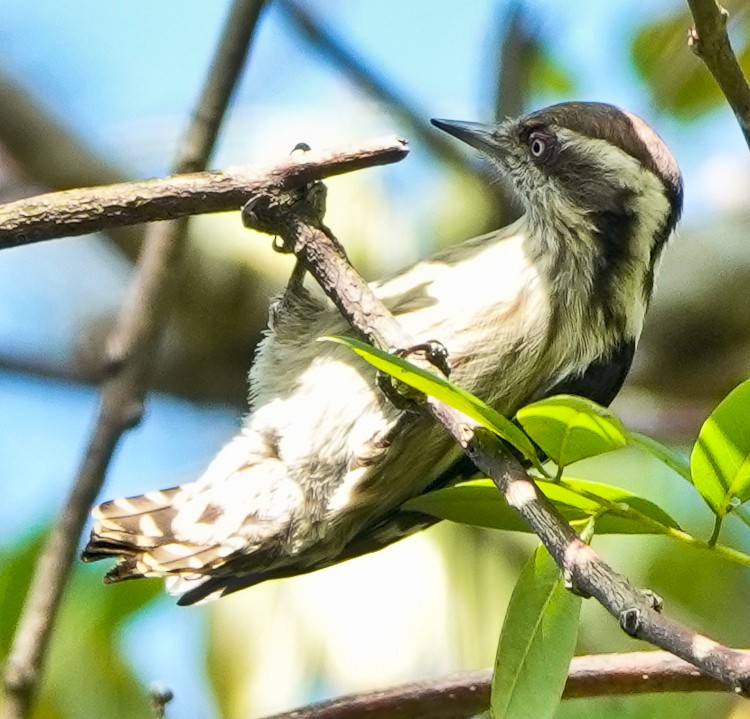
[[149, 527]]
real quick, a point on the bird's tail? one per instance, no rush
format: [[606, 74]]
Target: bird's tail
[[137, 531]]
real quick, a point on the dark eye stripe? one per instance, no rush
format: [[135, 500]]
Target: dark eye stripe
[[606, 122]]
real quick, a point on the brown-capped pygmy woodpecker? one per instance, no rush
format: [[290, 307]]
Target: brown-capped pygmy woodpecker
[[553, 303]]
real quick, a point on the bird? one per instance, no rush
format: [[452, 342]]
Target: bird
[[552, 303]]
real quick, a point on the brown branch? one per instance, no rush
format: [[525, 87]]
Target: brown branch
[[638, 611], [366, 79], [710, 42], [134, 344], [517, 46], [467, 694], [51, 156], [75, 212]]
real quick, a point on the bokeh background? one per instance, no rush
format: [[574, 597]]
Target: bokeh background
[[94, 92]]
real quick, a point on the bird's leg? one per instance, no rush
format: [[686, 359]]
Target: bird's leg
[[285, 304], [296, 280], [283, 215]]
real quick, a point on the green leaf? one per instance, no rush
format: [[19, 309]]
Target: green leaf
[[720, 461], [623, 518], [678, 463], [666, 455], [570, 428], [677, 80], [478, 502], [444, 391], [536, 643]]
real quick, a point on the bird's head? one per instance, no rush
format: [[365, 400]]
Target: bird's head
[[585, 164]]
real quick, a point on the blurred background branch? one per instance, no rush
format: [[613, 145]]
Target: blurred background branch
[[365, 79], [131, 349], [468, 694]]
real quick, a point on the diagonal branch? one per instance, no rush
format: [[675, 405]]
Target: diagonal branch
[[467, 694], [710, 42], [638, 611], [133, 347], [88, 209]]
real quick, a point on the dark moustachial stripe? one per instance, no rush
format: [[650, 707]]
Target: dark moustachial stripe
[[612, 217], [613, 220], [613, 230]]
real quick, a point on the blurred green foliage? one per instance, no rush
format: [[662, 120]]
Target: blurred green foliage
[[86, 674], [677, 80], [547, 74], [576, 429]]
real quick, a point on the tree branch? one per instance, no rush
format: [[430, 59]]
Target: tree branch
[[76, 212], [133, 346], [638, 611], [51, 156], [710, 42], [366, 79], [466, 694]]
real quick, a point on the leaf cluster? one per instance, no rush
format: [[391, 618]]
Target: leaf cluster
[[539, 634]]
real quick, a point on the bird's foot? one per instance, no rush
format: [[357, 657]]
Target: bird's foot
[[277, 213], [433, 351], [402, 396]]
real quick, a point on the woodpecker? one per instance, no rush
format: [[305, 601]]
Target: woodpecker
[[553, 303]]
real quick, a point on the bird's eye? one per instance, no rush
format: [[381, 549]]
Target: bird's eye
[[539, 145]]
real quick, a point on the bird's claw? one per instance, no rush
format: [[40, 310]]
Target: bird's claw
[[433, 351], [401, 395], [275, 213]]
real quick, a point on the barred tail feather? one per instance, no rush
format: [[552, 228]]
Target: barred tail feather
[[137, 531]]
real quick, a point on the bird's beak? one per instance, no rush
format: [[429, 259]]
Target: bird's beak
[[482, 137]]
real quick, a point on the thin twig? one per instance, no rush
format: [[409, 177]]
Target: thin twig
[[467, 694], [335, 50], [638, 611], [710, 42], [88, 209], [160, 696], [134, 343]]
